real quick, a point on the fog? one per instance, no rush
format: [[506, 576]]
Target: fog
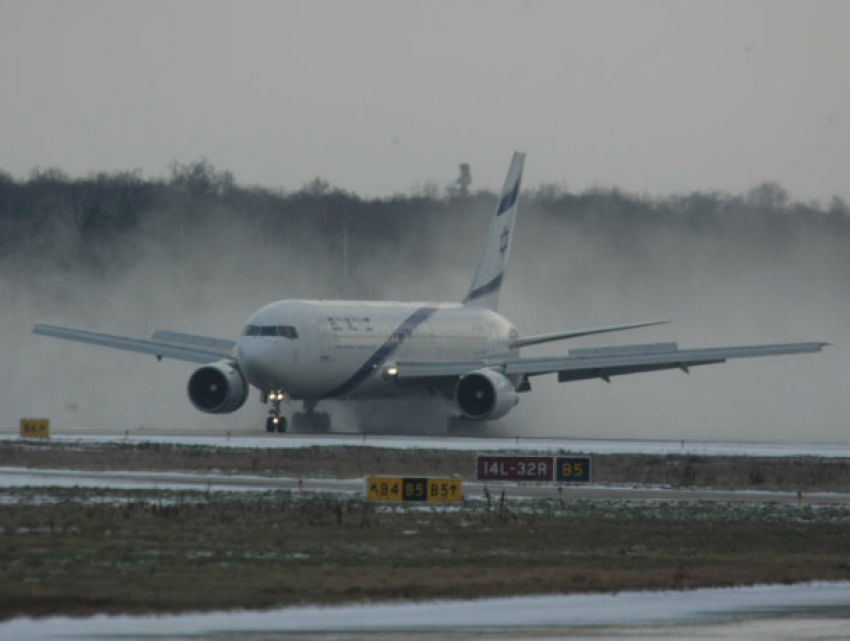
[[717, 292], [753, 281]]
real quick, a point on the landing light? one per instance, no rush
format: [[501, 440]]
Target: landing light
[[392, 370]]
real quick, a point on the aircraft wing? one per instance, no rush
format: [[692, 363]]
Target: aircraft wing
[[600, 362], [182, 347], [526, 341]]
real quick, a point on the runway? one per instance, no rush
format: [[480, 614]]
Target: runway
[[464, 443]]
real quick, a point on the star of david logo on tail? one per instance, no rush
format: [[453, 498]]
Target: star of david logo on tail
[[484, 291]]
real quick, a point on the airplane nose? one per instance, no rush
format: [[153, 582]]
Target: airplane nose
[[257, 362]]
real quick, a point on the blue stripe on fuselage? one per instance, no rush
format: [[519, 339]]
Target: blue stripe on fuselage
[[384, 352]]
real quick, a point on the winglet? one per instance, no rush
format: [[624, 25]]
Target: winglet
[[484, 291]]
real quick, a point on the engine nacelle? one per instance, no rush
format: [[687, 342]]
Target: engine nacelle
[[485, 394], [218, 388]]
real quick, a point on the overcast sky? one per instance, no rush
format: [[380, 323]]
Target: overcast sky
[[379, 97]]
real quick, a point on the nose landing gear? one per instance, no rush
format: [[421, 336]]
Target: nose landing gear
[[275, 422]]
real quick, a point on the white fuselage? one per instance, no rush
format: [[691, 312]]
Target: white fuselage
[[314, 350]]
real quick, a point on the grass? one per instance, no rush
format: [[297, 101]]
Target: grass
[[79, 552]]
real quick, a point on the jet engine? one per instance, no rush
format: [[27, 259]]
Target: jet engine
[[485, 394], [218, 388]]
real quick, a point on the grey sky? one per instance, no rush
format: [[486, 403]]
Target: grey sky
[[378, 97]]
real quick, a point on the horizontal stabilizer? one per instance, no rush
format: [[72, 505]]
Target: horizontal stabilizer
[[559, 336]]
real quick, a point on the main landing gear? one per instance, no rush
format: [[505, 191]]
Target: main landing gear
[[310, 420], [275, 422], [317, 422]]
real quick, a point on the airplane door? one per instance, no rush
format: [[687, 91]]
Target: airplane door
[[425, 345], [327, 340]]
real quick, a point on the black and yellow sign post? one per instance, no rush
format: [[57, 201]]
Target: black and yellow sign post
[[406, 489], [572, 469], [35, 428]]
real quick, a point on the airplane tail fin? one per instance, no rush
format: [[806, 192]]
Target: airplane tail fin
[[484, 291]]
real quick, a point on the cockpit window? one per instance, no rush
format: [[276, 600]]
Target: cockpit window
[[286, 331]]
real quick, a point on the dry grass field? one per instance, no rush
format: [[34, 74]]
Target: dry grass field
[[77, 552]]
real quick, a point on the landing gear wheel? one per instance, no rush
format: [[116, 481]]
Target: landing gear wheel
[[275, 424], [300, 422], [321, 422]]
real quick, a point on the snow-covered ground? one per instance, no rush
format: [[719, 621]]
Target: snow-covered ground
[[26, 477], [458, 443], [22, 477], [719, 612]]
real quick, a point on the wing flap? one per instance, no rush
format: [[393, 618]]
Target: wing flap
[[154, 348], [605, 373]]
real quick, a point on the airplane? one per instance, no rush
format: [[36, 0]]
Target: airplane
[[313, 351]]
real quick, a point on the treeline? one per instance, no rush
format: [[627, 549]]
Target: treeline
[[105, 220]]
